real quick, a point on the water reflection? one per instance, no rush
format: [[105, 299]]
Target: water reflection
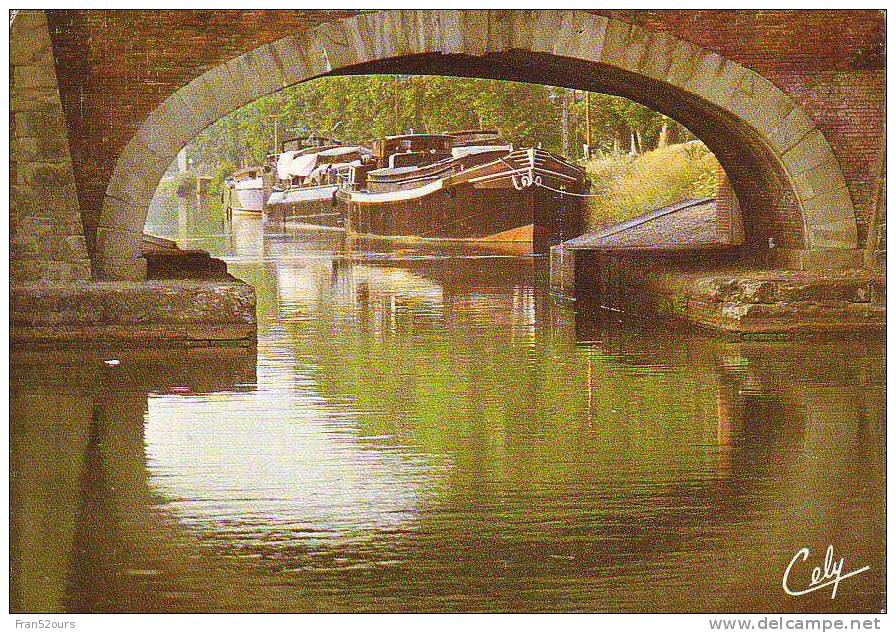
[[421, 429]]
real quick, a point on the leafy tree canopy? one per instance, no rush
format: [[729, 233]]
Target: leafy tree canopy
[[362, 108]]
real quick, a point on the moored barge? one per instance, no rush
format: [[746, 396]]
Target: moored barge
[[248, 188], [464, 186], [307, 177]]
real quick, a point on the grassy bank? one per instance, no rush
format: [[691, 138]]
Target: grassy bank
[[626, 186]]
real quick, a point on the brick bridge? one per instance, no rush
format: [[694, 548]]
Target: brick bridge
[[791, 103]]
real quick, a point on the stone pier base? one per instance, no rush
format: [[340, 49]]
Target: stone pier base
[[723, 296], [167, 312]]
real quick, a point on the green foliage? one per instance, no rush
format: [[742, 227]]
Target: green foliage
[[362, 108], [221, 171], [627, 186]]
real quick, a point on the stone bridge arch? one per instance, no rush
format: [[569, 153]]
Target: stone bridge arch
[[780, 164]]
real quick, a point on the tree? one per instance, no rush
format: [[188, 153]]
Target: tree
[[363, 108]]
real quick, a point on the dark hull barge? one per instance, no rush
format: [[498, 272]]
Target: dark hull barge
[[495, 195]]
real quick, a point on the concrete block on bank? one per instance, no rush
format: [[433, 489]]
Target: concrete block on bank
[[821, 290], [748, 301], [810, 259], [169, 312]]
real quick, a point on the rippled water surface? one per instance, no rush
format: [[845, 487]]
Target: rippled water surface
[[422, 429]]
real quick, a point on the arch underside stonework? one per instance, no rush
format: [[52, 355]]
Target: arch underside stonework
[[785, 174]]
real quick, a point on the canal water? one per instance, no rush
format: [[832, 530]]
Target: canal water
[[423, 429]]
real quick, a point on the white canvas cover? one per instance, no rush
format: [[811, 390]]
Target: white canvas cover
[[291, 165]]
